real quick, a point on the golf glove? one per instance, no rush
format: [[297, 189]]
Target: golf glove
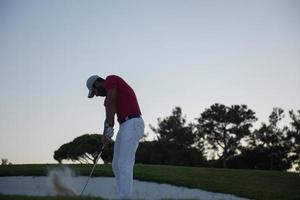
[[108, 130]]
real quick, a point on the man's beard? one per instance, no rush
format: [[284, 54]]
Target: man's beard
[[102, 91]]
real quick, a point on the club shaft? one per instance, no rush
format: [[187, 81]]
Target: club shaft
[[87, 181]]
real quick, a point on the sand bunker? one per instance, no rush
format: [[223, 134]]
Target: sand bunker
[[104, 187]]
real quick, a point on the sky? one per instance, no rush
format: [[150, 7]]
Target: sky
[[190, 54]]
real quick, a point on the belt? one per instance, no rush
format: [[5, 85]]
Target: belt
[[128, 117]]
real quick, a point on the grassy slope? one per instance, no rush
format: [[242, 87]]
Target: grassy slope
[[20, 197], [253, 184]]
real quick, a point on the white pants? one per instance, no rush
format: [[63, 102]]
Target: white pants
[[126, 144]]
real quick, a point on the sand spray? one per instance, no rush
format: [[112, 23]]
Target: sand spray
[[60, 180]]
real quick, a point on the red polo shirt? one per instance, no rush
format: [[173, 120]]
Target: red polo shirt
[[127, 103]]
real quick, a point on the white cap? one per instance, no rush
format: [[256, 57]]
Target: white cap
[[89, 84]]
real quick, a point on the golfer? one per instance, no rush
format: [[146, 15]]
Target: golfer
[[120, 100]]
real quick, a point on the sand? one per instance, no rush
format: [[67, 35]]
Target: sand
[[104, 187]]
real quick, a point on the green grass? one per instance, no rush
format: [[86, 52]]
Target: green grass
[[253, 184], [21, 197]]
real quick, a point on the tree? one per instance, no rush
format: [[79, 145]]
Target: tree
[[166, 153], [173, 129], [4, 161], [176, 142], [272, 141], [83, 149], [257, 158], [294, 137], [270, 135], [224, 127]]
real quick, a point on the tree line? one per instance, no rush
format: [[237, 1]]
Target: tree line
[[222, 136]]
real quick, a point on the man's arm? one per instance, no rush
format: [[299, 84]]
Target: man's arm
[[110, 106]]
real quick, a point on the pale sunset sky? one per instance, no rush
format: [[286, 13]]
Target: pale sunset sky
[[190, 54]]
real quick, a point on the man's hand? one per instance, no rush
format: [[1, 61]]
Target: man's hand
[[108, 131], [107, 134], [106, 140]]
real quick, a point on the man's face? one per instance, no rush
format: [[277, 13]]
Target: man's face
[[98, 89]]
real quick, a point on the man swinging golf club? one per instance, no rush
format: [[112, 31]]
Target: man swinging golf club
[[121, 100]]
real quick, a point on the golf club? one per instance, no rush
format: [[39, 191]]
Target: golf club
[[98, 157]]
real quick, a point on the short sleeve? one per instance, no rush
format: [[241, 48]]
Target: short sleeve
[[110, 82]]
